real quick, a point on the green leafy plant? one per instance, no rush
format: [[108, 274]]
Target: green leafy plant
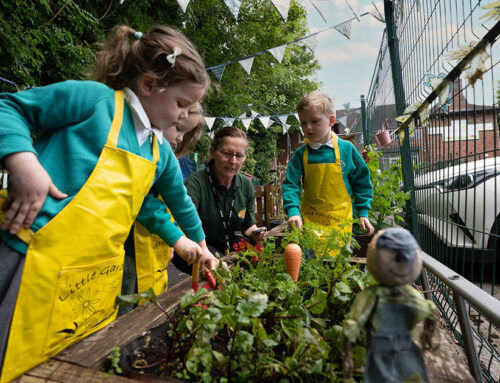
[[261, 325], [114, 359], [389, 199]]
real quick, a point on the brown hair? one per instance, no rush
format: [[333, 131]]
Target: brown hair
[[227, 131], [191, 138], [121, 63], [318, 101]]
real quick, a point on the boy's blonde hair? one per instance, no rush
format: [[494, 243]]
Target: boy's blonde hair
[[317, 101], [124, 59], [191, 138]]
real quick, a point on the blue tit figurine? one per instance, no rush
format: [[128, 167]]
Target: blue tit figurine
[[389, 310]]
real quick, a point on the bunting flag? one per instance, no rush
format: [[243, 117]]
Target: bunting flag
[[243, 115], [217, 71], [183, 4], [228, 121], [297, 117], [247, 64], [246, 122], [234, 7], [352, 10], [376, 13], [344, 28], [347, 106], [211, 134], [253, 113], [282, 6], [311, 42], [283, 118], [278, 52], [264, 121], [285, 128], [210, 122]]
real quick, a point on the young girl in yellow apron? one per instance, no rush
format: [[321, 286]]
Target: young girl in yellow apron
[[333, 174], [149, 268], [105, 154]]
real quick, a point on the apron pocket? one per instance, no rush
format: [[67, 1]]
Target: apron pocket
[[84, 301]]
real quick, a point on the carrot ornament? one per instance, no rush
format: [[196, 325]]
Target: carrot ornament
[[293, 256]]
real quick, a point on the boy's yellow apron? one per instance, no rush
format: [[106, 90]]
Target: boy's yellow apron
[[152, 256], [74, 264], [326, 200]]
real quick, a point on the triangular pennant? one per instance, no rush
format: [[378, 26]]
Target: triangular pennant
[[297, 116], [211, 134], [246, 122], [283, 119], [376, 13], [210, 122], [234, 7], [243, 115], [344, 28], [343, 120], [278, 52], [310, 42], [301, 131], [217, 71], [285, 128], [282, 6], [228, 121], [352, 10], [247, 64], [183, 4], [347, 106], [264, 121], [253, 113]]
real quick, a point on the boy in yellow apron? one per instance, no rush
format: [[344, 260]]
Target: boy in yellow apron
[[104, 148], [333, 174]]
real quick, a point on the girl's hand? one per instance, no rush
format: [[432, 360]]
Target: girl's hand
[[294, 220], [30, 184], [366, 225], [189, 250], [208, 261]]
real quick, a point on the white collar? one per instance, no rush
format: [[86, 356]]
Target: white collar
[[142, 124], [317, 145]]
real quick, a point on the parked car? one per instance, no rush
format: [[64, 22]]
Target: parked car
[[461, 204]]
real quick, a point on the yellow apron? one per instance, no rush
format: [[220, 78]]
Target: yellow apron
[[152, 256], [74, 264], [326, 200]]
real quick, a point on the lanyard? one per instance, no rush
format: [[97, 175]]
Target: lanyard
[[221, 214]]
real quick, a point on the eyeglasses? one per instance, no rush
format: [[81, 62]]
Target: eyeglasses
[[229, 156]]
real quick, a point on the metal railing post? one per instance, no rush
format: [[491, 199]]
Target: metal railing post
[[399, 94]]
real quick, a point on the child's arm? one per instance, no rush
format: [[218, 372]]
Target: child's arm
[[29, 187], [291, 188]]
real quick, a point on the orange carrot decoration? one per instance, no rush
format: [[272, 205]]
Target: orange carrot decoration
[[293, 256]]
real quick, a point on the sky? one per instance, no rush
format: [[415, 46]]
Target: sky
[[346, 64]]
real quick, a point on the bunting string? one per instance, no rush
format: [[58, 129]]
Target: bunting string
[[278, 52]]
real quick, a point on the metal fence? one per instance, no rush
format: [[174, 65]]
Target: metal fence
[[436, 72]]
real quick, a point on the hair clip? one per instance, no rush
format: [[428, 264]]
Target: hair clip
[[171, 57], [137, 35]]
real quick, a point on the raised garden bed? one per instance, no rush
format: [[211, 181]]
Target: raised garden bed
[[84, 361]]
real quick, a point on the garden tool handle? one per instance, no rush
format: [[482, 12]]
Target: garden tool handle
[[195, 275]]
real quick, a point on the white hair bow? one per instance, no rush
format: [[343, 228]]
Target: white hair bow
[[171, 57]]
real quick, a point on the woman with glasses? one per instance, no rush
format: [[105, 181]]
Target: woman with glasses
[[223, 197]]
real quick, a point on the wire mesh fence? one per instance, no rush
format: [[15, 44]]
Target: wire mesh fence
[[436, 75]]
